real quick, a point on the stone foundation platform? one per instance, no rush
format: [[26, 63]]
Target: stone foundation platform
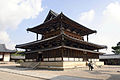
[[58, 65]]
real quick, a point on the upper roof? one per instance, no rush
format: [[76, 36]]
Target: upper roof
[[60, 20], [4, 49]]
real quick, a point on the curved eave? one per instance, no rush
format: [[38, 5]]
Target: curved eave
[[24, 46], [78, 49], [83, 50], [35, 29], [85, 42], [62, 17], [86, 30]]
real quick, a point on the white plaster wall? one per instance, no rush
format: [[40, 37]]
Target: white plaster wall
[[71, 59], [76, 59], [51, 59], [45, 59], [1, 56], [80, 59], [58, 59], [65, 59], [94, 60], [6, 57]]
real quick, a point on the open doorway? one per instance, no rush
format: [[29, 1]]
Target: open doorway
[[40, 57]]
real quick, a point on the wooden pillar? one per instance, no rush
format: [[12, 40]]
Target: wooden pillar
[[62, 53], [54, 55], [37, 36], [97, 50], [48, 55], [85, 56], [74, 53], [26, 50], [3, 57], [62, 40], [87, 38], [68, 54]]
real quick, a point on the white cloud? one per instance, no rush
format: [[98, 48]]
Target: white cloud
[[112, 11], [111, 24], [108, 26], [87, 17], [13, 12], [4, 37]]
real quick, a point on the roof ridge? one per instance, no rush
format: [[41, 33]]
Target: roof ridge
[[53, 12], [51, 15]]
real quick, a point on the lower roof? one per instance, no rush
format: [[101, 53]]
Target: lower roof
[[84, 50], [66, 36], [85, 42]]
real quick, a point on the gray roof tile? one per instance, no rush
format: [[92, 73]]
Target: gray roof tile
[[4, 49]]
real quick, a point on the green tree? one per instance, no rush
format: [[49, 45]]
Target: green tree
[[18, 53], [116, 49]]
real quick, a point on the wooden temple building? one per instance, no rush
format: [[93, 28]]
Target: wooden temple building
[[62, 44]]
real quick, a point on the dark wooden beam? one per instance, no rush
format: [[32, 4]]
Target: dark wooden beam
[[97, 50], [68, 52], [62, 52], [87, 38], [37, 36]]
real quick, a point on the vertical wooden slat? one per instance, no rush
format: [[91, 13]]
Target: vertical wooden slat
[[68, 52], [62, 53], [87, 38], [36, 36]]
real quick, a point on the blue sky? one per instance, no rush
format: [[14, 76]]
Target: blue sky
[[18, 15]]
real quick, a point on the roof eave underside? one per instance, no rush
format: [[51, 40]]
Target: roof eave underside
[[36, 42], [85, 42], [84, 50], [62, 17], [79, 26], [74, 39], [36, 29]]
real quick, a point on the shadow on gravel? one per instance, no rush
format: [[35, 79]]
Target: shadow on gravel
[[25, 69], [64, 77], [114, 77], [94, 72], [15, 68]]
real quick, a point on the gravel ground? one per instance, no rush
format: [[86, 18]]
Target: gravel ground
[[10, 76], [104, 73]]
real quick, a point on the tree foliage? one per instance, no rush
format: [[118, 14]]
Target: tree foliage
[[18, 53], [116, 49]]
